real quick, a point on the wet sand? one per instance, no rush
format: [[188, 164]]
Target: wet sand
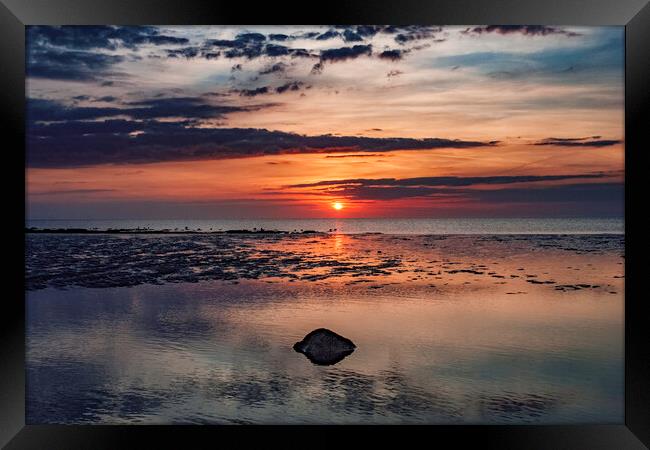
[[562, 262]]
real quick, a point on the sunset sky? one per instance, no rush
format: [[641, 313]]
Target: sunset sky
[[284, 122]]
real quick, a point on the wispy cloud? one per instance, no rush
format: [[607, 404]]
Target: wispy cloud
[[527, 30], [463, 189], [448, 181], [593, 141], [357, 155], [73, 192]]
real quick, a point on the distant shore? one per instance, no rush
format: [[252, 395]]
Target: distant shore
[[343, 225], [33, 230]]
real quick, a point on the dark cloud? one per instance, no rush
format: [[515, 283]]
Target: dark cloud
[[359, 155], [301, 53], [241, 41], [291, 86], [593, 141], [81, 37], [192, 52], [106, 98], [187, 52], [272, 50], [583, 195], [317, 69], [188, 107], [277, 50], [416, 33], [527, 30], [254, 92], [253, 45], [71, 52], [351, 36], [280, 50], [73, 143], [275, 68], [393, 55], [244, 52], [279, 37], [403, 38], [41, 110], [344, 53], [368, 30], [446, 181], [307, 35], [330, 34], [390, 29], [240, 47], [347, 33], [225, 43], [251, 37], [71, 65], [80, 128], [359, 192]]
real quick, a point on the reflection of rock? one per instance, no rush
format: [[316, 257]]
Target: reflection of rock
[[324, 347]]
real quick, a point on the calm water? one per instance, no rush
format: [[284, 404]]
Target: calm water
[[388, 226], [519, 329], [178, 354]]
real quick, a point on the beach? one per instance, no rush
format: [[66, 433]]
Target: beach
[[355, 224], [199, 328]]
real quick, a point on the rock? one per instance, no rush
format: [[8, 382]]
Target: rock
[[324, 347]]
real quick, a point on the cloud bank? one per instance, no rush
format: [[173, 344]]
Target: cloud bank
[[68, 136]]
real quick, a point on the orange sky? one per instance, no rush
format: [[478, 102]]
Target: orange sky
[[519, 89]]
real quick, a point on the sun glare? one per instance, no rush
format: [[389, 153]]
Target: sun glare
[[337, 206]]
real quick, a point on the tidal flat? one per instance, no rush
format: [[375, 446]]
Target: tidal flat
[[448, 328]]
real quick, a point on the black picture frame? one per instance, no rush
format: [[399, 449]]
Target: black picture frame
[[633, 14]]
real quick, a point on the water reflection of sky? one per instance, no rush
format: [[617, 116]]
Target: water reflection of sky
[[221, 353]]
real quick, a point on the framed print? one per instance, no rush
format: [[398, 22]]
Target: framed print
[[231, 219]]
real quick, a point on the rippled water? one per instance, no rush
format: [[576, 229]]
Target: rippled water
[[461, 330]]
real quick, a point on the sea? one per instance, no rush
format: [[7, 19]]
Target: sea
[[357, 226]]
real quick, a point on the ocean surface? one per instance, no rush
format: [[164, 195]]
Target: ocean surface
[[449, 329], [353, 226]]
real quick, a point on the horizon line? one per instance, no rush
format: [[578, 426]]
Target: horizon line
[[349, 218]]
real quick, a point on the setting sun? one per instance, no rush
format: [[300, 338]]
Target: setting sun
[[337, 206]]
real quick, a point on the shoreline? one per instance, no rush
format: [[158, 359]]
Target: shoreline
[[33, 230], [262, 231]]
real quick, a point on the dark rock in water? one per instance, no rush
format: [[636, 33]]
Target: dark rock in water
[[324, 347]]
